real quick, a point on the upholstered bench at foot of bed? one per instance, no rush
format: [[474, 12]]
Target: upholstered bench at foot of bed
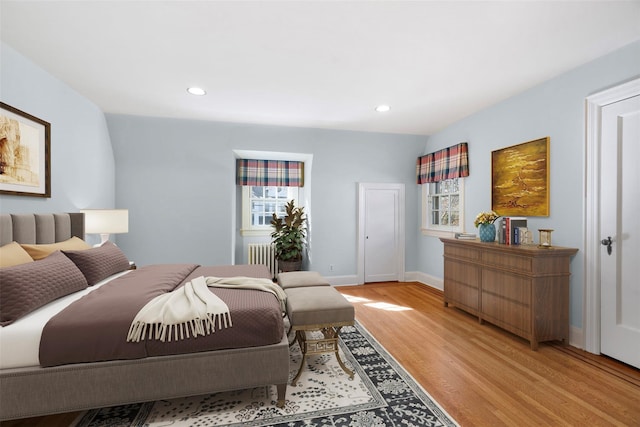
[[318, 308]]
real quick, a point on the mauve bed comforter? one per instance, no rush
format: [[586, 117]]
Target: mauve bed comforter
[[95, 327]]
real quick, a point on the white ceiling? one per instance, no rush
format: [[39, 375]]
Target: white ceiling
[[319, 64]]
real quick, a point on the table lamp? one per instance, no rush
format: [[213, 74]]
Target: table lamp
[[105, 222]]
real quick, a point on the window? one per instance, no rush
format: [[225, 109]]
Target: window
[[259, 203], [269, 180], [443, 207]]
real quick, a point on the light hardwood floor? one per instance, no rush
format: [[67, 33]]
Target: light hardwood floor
[[481, 375]]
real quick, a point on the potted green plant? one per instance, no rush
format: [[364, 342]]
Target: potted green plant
[[289, 237]]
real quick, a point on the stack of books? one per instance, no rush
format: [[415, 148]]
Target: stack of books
[[509, 230], [465, 236]]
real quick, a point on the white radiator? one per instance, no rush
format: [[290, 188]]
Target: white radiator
[[264, 253]]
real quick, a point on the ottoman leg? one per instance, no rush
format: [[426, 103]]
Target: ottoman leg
[[301, 336], [282, 392], [329, 343], [335, 332], [294, 338]]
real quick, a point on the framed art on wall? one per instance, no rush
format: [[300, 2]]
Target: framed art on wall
[[520, 179], [25, 153]]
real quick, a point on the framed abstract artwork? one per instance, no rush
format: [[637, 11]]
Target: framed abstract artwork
[[25, 153], [520, 179]]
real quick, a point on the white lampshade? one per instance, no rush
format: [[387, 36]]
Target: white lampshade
[[105, 222]]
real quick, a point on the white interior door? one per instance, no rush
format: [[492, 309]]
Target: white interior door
[[381, 225], [619, 207]]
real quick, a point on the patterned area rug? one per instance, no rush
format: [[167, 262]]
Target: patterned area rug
[[381, 393]]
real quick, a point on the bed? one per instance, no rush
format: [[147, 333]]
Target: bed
[[165, 370]]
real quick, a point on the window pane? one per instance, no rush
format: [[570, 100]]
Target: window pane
[[435, 202], [270, 207], [270, 192], [257, 210], [257, 192], [444, 205], [455, 218], [264, 220], [283, 192], [455, 202], [435, 217], [444, 218]]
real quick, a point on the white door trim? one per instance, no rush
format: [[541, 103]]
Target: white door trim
[[591, 303], [362, 188]]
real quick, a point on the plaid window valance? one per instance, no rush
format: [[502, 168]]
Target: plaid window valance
[[448, 163], [276, 173]]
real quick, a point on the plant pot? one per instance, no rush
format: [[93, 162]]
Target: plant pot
[[285, 266], [487, 232]]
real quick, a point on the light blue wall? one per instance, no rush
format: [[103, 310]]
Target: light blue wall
[[555, 109], [177, 178], [82, 164]]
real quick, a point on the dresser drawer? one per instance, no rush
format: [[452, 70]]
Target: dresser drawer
[[508, 261], [462, 252], [508, 286], [462, 295], [506, 300], [461, 285], [509, 314], [461, 272]]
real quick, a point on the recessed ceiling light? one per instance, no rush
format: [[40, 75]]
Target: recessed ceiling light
[[382, 108], [196, 91]]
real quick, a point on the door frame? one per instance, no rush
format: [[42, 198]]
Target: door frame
[[591, 304], [362, 189]]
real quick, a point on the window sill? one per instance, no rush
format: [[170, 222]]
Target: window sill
[[439, 233], [255, 233]]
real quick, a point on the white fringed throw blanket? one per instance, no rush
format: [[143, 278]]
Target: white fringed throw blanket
[[242, 282], [193, 310]]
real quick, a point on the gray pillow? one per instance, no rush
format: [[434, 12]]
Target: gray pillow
[[99, 263], [27, 287]]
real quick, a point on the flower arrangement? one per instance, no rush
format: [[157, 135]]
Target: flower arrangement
[[485, 218]]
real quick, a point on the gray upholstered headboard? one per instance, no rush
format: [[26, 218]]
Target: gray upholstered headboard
[[40, 228]]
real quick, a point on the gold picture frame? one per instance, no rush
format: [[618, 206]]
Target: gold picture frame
[[520, 179], [25, 153]]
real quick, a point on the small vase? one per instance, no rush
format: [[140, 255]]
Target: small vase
[[487, 232]]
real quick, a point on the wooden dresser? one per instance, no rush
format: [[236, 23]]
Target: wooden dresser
[[522, 289]]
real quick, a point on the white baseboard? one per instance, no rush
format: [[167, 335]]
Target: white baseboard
[[425, 279], [576, 337], [342, 280], [409, 276]]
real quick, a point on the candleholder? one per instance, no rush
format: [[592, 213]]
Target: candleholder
[[545, 238]]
